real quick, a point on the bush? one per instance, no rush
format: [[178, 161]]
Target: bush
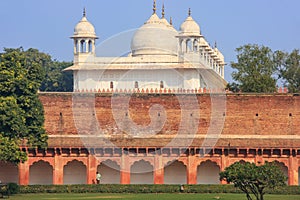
[[13, 188], [118, 188]]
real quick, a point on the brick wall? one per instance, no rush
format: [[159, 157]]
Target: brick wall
[[249, 120]]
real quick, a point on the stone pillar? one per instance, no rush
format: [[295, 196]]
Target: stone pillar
[[191, 170], [24, 173], [224, 164], [125, 169], [292, 171], [91, 169], [158, 170], [58, 170]]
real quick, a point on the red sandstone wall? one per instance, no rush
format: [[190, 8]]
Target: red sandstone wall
[[259, 120]]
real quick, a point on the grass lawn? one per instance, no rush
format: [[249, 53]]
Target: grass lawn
[[102, 196]]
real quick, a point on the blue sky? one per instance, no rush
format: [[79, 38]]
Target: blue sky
[[48, 24]]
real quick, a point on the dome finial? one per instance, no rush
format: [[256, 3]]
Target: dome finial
[[215, 44], [171, 21], [190, 12], [84, 12], [154, 6], [163, 11]]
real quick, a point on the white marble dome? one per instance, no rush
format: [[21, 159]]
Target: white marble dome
[[84, 29], [155, 37], [189, 27]]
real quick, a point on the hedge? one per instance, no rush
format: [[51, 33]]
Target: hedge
[[132, 188]]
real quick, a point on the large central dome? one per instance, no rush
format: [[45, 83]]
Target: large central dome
[[154, 38]]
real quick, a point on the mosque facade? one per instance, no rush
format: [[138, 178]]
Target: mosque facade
[[157, 116]]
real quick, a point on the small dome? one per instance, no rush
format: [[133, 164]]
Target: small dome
[[84, 29], [189, 27], [155, 37]]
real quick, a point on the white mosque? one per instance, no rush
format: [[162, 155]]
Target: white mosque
[[161, 58]]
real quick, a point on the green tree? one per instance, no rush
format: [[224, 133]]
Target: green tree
[[252, 179], [290, 70], [255, 69], [56, 79], [21, 113]]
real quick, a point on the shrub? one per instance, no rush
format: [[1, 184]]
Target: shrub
[[145, 188], [13, 188]]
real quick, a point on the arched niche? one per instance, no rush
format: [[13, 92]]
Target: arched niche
[[40, 173], [208, 173], [75, 173], [283, 168], [175, 173], [141, 172], [110, 172], [9, 172], [299, 176]]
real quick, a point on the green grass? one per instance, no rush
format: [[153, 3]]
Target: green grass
[[102, 196]]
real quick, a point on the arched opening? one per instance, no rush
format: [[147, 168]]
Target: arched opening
[[9, 173], [141, 172], [208, 173], [284, 169], [189, 45], [40, 173], [195, 45], [90, 46], [111, 86], [82, 46], [75, 173], [299, 176], [76, 46], [175, 173], [110, 172]]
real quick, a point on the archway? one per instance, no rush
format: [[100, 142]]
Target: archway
[[299, 176], [284, 169], [75, 173], [141, 172], [9, 173], [208, 173], [110, 172], [175, 173], [40, 173]]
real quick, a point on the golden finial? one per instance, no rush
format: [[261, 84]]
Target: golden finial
[[171, 21], [154, 6], [190, 12], [163, 11], [84, 12]]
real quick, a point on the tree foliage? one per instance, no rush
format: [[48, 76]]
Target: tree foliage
[[253, 179], [290, 70], [56, 80], [21, 112], [256, 68]]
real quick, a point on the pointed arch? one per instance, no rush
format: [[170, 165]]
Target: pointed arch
[[82, 46], [189, 45], [40, 173], [110, 172], [9, 172], [74, 172], [208, 173], [90, 46], [141, 172], [299, 176], [175, 173], [283, 168], [195, 45]]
